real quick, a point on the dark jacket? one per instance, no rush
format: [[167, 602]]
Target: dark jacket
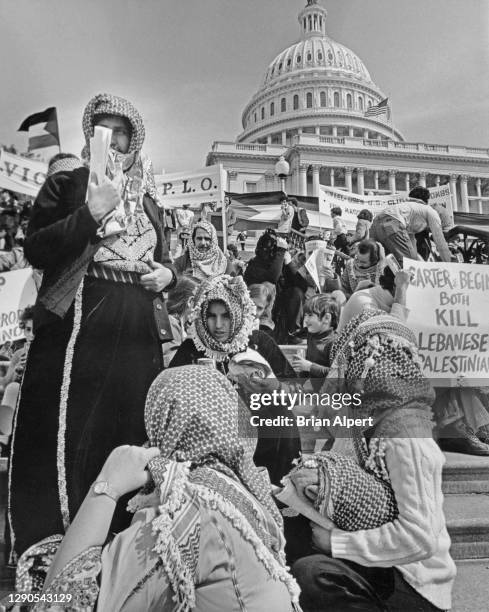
[[62, 240]]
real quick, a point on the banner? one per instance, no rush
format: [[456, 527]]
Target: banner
[[352, 203], [194, 187], [448, 305], [17, 290], [21, 174], [441, 200]]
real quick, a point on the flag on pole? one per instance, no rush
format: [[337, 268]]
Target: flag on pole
[[382, 108], [50, 137]]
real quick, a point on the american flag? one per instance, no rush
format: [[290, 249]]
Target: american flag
[[379, 109]]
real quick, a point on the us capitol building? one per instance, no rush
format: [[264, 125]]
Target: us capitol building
[[311, 109]]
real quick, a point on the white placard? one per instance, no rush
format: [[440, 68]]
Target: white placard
[[448, 304], [21, 174], [17, 290]]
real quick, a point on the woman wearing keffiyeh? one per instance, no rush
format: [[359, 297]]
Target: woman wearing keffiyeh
[[203, 258], [99, 319], [206, 534], [390, 546], [224, 324]]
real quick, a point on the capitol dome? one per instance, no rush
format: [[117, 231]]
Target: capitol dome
[[315, 86]]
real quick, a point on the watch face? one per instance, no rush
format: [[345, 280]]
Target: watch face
[[99, 488]]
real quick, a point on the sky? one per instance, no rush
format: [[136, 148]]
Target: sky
[[191, 66]]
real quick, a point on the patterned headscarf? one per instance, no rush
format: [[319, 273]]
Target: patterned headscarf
[[376, 354], [193, 416], [234, 294], [206, 264], [139, 166]]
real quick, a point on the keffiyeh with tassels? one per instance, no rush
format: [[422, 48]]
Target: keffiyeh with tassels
[[206, 264], [192, 415], [232, 291]]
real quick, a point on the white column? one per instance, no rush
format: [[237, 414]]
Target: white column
[[376, 180], [335, 130], [407, 185], [350, 132], [315, 180], [437, 180], [365, 134], [464, 194], [422, 179], [361, 181], [348, 179], [284, 138], [269, 139], [479, 193], [392, 181], [232, 176], [316, 130], [453, 189], [303, 179], [331, 177]]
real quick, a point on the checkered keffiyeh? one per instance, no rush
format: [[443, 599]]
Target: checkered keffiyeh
[[234, 294], [107, 104], [192, 414]]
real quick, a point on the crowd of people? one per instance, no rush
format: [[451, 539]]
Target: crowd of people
[[133, 436]]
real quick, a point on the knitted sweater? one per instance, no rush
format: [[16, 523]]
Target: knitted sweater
[[417, 542]]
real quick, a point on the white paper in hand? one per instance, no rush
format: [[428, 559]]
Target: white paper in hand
[[99, 151]]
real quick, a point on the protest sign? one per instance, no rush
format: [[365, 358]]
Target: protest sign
[[448, 304], [21, 174], [318, 264], [352, 203], [441, 200], [17, 290], [194, 187]]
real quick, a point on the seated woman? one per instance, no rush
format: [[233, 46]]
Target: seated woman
[[389, 548], [223, 321], [366, 265], [206, 534]]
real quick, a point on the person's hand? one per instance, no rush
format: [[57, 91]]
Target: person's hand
[[101, 199], [282, 243], [157, 280], [301, 364], [287, 258], [255, 384], [124, 469], [402, 279], [321, 538], [304, 478]]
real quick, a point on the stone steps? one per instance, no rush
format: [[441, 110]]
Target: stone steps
[[465, 474]]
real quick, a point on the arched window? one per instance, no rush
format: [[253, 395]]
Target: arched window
[[309, 56], [322, 98], [299, 59], [280, 66], [263, 112], [360, 103], [349, 101], [309, 99], [296, 102], [336, 99], [289, 62], [320, 56], [283, 105], [272, 109]]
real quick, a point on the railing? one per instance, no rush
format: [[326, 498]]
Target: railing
[[331, 139]]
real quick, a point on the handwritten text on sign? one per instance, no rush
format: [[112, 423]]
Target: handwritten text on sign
[[448, 305]]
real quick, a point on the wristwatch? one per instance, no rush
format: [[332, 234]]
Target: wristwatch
[[102, 487]]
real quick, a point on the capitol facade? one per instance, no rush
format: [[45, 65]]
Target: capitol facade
[[312, 108]]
